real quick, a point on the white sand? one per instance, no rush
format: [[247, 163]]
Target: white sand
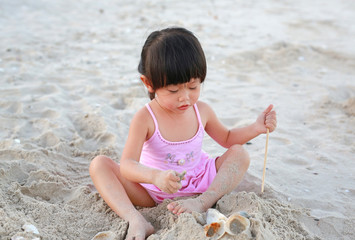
[[69, 87]]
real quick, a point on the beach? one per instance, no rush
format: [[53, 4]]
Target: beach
[[70, 87]]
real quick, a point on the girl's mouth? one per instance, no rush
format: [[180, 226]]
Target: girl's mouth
[[183, 107]]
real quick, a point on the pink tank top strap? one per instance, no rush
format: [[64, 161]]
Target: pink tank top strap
[[153, 116], [198, 114]]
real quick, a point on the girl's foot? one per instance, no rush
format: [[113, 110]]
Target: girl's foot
[[139, 228], [187, 205]]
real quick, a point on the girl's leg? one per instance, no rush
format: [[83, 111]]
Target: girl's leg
[[231, 167], [122, 195]]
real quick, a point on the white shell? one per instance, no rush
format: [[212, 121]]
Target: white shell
[[218, 224], [215, 228], [213, 215], [237, 224], [30, 228]]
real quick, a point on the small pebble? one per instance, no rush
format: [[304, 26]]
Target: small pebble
[[289, 199], [17, 140], [30, 228]]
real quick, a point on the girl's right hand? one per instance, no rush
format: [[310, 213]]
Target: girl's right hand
[[168, 181]]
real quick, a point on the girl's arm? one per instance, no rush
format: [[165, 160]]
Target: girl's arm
[[228, 137], [131, 169], [129, 163]]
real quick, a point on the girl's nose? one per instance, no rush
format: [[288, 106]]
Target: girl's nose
[[184, 95]]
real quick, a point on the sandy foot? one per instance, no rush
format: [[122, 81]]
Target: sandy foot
[[186, 205], [139, 228]]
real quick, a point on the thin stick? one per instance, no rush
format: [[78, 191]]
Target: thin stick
[[267, 141]]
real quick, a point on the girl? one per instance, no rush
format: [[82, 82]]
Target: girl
[[165, 139]]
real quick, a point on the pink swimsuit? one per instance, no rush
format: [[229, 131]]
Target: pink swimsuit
[[186, 155]]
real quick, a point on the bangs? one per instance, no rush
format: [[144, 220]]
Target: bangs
[[175, 59]]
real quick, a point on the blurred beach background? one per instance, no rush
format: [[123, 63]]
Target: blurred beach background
[[70, 86]]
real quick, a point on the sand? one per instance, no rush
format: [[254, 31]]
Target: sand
[[69, 88]]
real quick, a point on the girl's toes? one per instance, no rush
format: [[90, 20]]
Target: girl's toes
[[176, 207], [181, 210], [171, 206]]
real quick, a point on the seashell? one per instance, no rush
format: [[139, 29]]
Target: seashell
[[237, 223], [213, 215], [215, 230], [106, 235], [215, 227], [30, 228]]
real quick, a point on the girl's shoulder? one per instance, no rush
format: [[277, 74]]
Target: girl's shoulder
[[142, 113], [205, 111], [143, 120], [203, 107], [143, 116]]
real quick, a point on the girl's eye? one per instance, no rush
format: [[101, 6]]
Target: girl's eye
[[173, 91], [192, 88]]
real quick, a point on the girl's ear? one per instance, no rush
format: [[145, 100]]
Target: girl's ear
[[147, 83]]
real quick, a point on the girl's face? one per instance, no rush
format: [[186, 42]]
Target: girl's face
[[178, 98]]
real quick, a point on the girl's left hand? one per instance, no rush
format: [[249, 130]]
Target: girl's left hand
[[267, 119]]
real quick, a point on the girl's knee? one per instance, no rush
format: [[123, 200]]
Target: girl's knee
[[241, 155], [238, 149], [98, 163]]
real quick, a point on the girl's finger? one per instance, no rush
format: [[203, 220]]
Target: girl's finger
[[175, 185], [270, 121], [268, 109], [174, 176]]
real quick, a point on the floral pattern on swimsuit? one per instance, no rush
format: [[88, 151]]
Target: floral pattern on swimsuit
[[170, 158]]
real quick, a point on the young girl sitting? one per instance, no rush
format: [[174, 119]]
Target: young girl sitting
[[165, 139]]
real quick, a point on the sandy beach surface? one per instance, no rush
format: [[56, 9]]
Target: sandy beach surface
[[69, 88]]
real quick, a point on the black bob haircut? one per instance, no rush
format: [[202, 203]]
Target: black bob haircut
[[172, 56]]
